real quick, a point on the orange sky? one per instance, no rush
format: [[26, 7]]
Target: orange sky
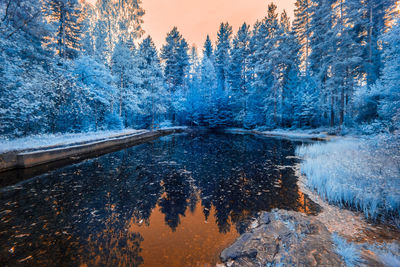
[[197, 18]]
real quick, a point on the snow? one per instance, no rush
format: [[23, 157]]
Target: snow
[[362, 173], [289, 134], [298, 134], [56, 140]]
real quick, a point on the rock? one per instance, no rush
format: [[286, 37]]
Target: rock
[[284, 238], [264, 218], [238, 249]]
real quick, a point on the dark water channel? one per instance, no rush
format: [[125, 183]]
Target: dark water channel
[[176, 201]]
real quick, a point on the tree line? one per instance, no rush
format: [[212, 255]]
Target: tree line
[[68, 66]]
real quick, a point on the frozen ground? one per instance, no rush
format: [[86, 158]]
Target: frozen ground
[[363, 173], [50, 140]]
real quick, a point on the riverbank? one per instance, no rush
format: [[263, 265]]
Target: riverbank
[[333, 237], [331, 168], [362, 173], [301, 135], [17, 154]]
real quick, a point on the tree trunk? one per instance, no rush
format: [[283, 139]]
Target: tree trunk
[[152, 109], [332, 122], [341, 119], [120, 94]]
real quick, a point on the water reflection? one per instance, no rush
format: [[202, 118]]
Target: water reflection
[[141, 204]]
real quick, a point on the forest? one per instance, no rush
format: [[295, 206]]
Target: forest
[[283, 135], [68, 66]]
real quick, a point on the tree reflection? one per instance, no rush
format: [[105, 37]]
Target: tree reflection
[[81, 213], [175, 200]]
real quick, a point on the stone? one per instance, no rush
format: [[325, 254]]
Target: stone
[[264, 218], [284, 238]]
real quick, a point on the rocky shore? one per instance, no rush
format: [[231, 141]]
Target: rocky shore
[[283, 238]]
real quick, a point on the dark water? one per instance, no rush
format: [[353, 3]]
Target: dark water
[[175, 201]]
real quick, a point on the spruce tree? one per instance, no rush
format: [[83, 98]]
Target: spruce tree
[[176, 62], [208, 48], [388, 86], [176, 59], [222, 54], [153, 94], [237, 75]]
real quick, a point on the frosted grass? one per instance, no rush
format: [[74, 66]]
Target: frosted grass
[[349, 252], [361, 173]]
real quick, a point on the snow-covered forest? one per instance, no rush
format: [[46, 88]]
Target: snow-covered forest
[[69, 66]]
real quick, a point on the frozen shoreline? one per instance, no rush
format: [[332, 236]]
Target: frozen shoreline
[[58, 140], [355, 238], [286, 134], [75, 147]]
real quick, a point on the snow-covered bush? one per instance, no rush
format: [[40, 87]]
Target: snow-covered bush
[[360, 173]]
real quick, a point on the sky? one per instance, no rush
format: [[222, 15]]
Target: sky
[[197, 18]]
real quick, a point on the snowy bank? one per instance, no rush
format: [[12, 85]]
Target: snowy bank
[[73, 148], [361, 173], [287, 134], [58, 140]]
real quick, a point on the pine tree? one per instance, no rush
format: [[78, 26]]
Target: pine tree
[[124, 69], [289, 70], [266, 59], [176, 62], [118, 21], [321, 56], [388, 86], [237, 75], [222, 54], [208, 48], [347, 61], [176, 58], [154, 96], [195, 100], [88, 26], [208, 89], [65, 15], [301, 25], [374, 14]]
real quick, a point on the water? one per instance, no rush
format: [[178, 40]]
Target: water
[[175, 201]]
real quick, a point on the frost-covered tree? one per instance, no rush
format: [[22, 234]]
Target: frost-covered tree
[[374, 14], [88, 26], [99, 83], [266, 59], [208, 50], [195, 104], [124, 69], [25, 94], [301, 25], [347, 56], [237, 72], [388, 86], [289, 71], [118, 21], [65, 17], [208, 87], [154, 97], [176, 59], [176, 63], [222, 53]]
